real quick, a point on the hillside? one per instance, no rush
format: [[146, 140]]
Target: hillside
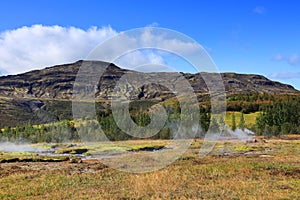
[[44, 95], [57, 83]]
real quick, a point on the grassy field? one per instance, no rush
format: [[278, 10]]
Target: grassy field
[[250, 119], [233, 170]]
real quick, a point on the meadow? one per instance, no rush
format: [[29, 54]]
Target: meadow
[[264, 169]]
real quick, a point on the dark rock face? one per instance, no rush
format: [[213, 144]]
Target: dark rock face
[[57, 83], [243, 83], [29, 96]]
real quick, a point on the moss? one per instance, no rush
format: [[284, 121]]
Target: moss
[[248, 148], [34, 159]]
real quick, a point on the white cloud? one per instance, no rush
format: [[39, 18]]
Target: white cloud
[[154, 24], [39, 46], [279, 57], [139, 58], [138, 45], [259, 10], [171, 44], [285, 75], [293, 59]]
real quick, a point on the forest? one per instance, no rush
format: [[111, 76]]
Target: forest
[[276, 115]]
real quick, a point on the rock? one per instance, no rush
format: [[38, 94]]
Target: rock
[[257, 140], [71, 145], [75, 160], [264, 141], [266, 156]]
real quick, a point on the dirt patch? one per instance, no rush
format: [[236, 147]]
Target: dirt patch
[[39, 168]]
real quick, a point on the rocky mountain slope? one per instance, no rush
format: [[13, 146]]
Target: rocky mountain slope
[[57, 83], [25, 96]]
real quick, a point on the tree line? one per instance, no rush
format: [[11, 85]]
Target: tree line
[[88, 129], [278, 117]]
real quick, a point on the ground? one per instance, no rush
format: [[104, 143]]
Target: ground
[[234, 170]]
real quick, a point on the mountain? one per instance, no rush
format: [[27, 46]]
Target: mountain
[[30, 95], [57, 82]]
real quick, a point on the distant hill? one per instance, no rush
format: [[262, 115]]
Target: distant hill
[[23, 96]]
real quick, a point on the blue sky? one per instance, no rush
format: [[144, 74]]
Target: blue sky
[[253, 36]]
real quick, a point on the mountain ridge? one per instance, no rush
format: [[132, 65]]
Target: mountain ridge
[[57, 82], [44, 96]]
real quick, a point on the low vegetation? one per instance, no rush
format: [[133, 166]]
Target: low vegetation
[[233, 170]]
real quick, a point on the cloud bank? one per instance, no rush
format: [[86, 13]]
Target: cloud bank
[[39, 46]]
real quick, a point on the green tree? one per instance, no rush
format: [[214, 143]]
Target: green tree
[[222, 123], [214, 126], [204, 121], [233, 123], [279, 117], [242, 122]]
